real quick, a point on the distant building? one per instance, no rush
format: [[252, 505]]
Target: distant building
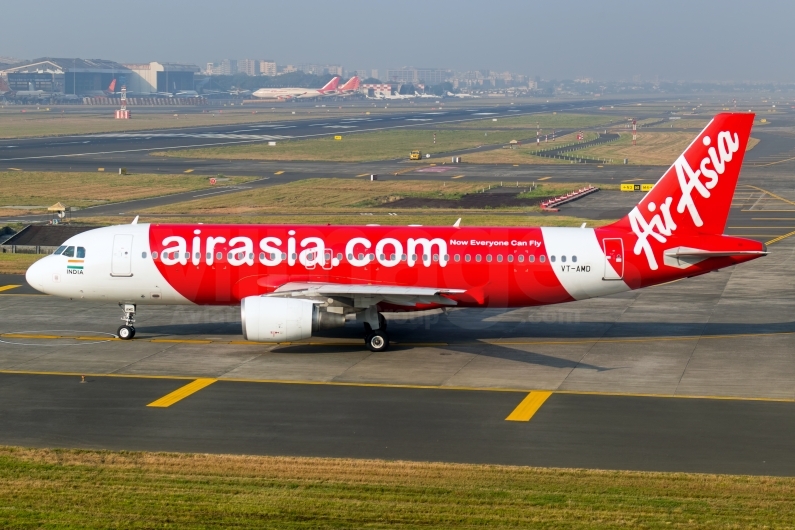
[[160, 77], [288, 69], [267, 68], [427, 76], [248, 67], [64, 76], [227, 67]]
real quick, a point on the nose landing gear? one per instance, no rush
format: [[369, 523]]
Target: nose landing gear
[[127, 331]]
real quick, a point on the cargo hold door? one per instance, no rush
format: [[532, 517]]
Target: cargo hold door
[[614, 259]]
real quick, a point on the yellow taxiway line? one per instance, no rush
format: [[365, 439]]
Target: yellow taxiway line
[[181, 393], [9, 287], [189, 171], [545, 178], [279, 173], [395, 385], [529, 406], [780, 238]]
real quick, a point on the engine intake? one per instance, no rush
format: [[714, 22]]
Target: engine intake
[[267, 319]]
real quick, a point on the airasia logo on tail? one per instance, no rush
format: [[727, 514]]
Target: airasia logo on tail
[[662, 224]]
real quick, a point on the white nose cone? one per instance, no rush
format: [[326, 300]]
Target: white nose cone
[[36, 275]]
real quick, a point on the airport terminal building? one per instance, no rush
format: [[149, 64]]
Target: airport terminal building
[[87, 77]]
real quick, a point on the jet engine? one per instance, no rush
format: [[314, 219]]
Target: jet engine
[[268, 319]]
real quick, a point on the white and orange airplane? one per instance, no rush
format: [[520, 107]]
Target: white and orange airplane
[[298, 92], [351, 86], [291, 281]]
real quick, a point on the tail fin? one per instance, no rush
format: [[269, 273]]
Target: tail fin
[[351, 84], [695, 194], [331, 85], [112, 86]]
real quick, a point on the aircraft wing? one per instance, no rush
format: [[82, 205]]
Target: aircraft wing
[[362, 295]]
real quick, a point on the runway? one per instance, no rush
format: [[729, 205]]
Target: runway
[[111, 149], [690, 376]]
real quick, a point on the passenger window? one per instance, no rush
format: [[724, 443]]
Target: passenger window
[[284, 256], [59, 251], [69, 252], [542, 258], [339, 256], [209, 255], [143, 255], [154, 255], [531, 258], [467, 258], [414, 257], [229, 256], [361, 256], [521, 258], [574, 259], [371, 256], [198, 256], [552, 258], [510, 258], [562, 259], [219, 256], [488, 258], [477, 258], [499, 258], [457, 257], [436, 257], [403, 257], [262, 256], [350, 257]]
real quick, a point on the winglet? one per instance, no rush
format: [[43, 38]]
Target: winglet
[[135, 221], [457, 224]]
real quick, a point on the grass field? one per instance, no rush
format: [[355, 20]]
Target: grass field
[[16, 263], [92, 489], [546, 122], [653, 148], [332, 196], [38, 190], [17, 124], [522, 154], [371, 146]]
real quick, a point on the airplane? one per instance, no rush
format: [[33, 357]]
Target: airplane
[[291, 281], [109, 92], [296, 92], [351, 86], [461, 95], [30, 94], [433, 96]]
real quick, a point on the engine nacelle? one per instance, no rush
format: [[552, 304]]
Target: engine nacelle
[[267, 319]]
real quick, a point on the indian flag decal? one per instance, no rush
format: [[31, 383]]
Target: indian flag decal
[[75, 265]]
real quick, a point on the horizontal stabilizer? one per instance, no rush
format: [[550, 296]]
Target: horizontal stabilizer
[[683, 257]]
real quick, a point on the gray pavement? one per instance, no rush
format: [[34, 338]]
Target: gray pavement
[[696, 375]]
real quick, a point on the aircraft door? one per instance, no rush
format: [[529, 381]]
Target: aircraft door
[[121, 260], [614, 259]]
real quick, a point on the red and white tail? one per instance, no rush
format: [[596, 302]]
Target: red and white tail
[[694, 196], [351, 84], [331, 85], [112, 86]]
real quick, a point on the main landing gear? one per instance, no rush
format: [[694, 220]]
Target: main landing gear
[[376, 340], [127, 330]]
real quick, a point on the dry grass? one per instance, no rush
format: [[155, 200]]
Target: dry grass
[[93, 489], [38, 190], [329, 196], [362, 147], [17, 263], [652, 149], [522, 154]]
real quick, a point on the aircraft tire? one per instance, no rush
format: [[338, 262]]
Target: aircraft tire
[[125, 332], [377, 341]]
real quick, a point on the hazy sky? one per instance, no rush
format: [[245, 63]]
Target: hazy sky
[[604, 39]]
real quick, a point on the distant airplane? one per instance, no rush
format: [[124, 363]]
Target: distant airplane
[[29, 94], [461, 95], [351, 86], [433, 96], [297, 92], [110, 91]]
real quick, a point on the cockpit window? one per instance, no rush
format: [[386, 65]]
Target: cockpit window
[[81, 252], [59, 250], [69, 252]]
